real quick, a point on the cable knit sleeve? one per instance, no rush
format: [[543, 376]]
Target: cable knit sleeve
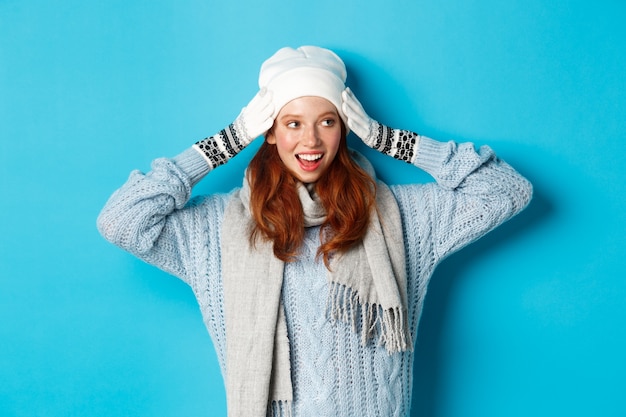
[[474, 193], [151, 216]]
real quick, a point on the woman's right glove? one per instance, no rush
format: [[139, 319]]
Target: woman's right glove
[[254, 120], [400, 144]]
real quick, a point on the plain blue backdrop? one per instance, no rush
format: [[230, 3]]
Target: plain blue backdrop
[[528, 321]]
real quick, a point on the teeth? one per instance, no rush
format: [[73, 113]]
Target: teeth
[[310, 157]]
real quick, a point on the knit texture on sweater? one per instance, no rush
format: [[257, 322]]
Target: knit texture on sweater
[[152, 217]]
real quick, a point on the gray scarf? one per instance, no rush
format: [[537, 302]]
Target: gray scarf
[[367, 289]]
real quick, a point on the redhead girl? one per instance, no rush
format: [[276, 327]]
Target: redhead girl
[[311, 277]]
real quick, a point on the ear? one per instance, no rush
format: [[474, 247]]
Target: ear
[[270, 138]]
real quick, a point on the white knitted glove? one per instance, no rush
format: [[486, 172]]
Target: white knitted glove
[[254, 120], [400, 144], [358, 121]]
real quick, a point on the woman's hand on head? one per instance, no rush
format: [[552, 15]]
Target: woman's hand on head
[[358, 120], [256, 118], [399, 144]]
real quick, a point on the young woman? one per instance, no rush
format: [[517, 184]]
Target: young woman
[[311, 277]]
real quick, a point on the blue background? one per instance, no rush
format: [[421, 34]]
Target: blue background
[[528, 321]]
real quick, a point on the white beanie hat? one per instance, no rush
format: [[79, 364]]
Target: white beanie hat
[[306, 71]]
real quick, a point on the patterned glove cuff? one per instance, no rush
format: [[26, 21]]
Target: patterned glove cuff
[[219, 148], [399, 144]]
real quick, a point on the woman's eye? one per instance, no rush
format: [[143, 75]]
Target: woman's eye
[[293, 125], [328, 122]]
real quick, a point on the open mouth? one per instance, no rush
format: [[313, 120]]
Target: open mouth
[[309, 161], [309, 157]]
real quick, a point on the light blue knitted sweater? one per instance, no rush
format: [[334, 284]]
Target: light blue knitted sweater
[[333, 375]]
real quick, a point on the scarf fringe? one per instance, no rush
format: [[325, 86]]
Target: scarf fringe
[[371, 321], [280, 408]]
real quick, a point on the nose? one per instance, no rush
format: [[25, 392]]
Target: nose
[[311, 137]]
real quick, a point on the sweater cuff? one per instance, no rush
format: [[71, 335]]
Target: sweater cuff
[[193, 164], [431, 155]]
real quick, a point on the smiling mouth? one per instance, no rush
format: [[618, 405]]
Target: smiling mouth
[[309, 162], [309, 157]]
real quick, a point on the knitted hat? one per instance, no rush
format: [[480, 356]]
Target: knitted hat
[[306, 71]]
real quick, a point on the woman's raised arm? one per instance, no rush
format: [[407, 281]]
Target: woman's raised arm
[[151, 216]]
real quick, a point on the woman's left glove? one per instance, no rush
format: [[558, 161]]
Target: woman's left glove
[[254, 120], [400, 144]]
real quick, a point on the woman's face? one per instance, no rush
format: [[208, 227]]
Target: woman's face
[[307, 133]]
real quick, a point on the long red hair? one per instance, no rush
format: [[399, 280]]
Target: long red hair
[[346, 191]]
